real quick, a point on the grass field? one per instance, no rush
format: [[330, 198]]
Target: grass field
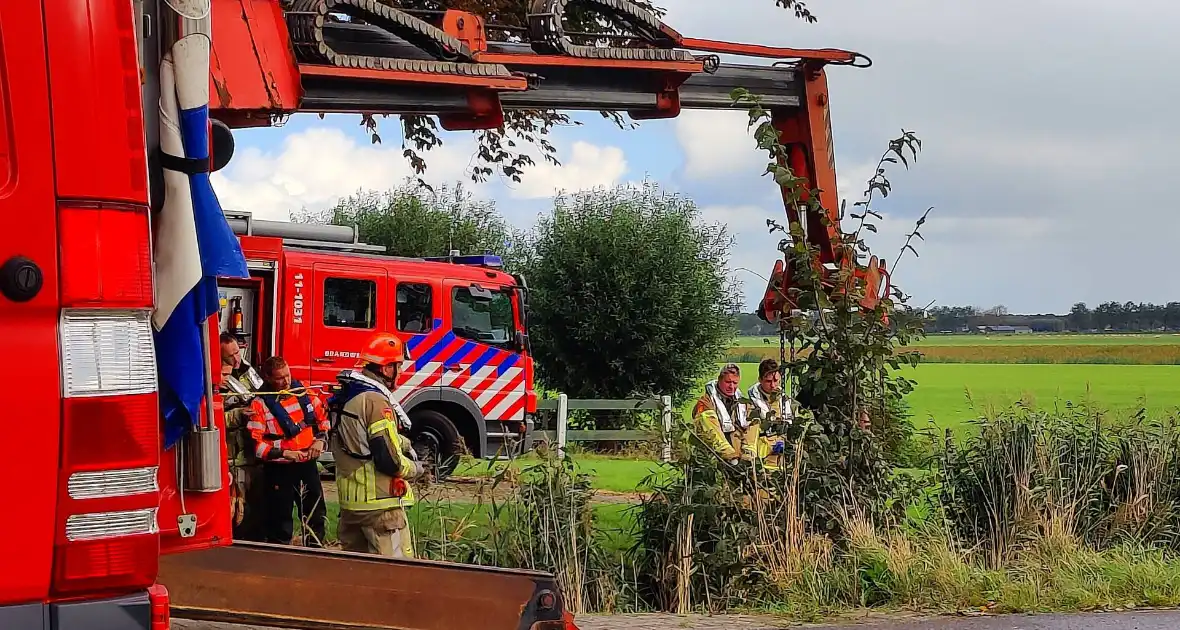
[[612, 474], [1130, 349], [1064, 339], [941, 399], [951, 394], [941, 393]]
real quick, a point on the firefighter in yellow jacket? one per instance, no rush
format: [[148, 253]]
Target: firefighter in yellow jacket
[[374, 461], [729, 425]]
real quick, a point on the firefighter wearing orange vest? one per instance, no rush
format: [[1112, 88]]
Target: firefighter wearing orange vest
[[289, 428], [374, 462]]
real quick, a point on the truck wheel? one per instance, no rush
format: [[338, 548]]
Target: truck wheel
[[437, 442]]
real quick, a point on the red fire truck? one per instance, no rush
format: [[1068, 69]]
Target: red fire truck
[[101, 515], [315, 295]]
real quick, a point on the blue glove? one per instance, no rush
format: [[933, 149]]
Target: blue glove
[[778, 448]]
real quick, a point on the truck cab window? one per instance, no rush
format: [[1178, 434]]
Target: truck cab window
[[415, 307], [349, 303], [483, 316]]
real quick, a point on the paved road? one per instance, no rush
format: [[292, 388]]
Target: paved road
[[1153, 620], [1097, 621]]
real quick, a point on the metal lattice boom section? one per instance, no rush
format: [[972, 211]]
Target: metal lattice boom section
[[549, 35], [568, 88], [307, 19]]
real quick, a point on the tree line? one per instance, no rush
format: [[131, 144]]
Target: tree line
[[1111, 317], [1106, 317], [629, 289]]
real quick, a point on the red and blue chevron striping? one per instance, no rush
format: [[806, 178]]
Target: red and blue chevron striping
[[493, 377]]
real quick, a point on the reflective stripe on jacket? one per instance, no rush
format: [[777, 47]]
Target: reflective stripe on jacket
[[356, 421], [725, 438]]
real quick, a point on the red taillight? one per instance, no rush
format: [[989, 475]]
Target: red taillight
[[107, 537], [111, 432], [161, 607], [105, 256], [569, 621]]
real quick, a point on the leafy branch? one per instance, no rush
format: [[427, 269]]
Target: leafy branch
[[879, 183], [505, 150], [848, 337]]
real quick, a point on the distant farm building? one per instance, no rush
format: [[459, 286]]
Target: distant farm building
[[1004, 330]]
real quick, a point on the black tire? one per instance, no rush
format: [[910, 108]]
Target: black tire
[[437, 442]]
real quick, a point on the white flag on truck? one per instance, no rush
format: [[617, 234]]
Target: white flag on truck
[[193, 243]]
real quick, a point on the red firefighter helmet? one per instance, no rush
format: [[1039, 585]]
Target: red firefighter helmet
[[383, 349]]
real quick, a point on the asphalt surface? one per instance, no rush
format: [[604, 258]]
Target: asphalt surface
[[1094, 621], [1144, 620]]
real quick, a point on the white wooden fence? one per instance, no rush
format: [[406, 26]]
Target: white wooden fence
[[562, 436]]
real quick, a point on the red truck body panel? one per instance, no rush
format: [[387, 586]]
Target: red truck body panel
[[28, 331]]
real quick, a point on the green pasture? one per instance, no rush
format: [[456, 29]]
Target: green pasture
[[942, 389], [941, 398], [613, 474], [1033, 339]]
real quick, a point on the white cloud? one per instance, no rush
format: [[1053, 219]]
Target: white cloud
[[317, 167], [852, 179], [583, 166], [743, 219], [716, 144], [1020, 175]]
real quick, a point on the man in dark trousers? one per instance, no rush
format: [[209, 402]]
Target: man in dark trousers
[[289, 429]]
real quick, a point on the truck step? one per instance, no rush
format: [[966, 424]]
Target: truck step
[[235, 584]]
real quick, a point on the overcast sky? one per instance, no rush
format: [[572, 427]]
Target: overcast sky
[[1049, 129]]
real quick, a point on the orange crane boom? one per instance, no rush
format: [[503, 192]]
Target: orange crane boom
[[271, 59]]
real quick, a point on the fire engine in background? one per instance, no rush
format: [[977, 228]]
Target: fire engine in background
[[104, 514], [316, 294]]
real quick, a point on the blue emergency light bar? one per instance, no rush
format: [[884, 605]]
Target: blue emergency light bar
[[482, 260]]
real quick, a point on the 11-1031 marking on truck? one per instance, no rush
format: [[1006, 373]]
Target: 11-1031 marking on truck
[[297, 301]]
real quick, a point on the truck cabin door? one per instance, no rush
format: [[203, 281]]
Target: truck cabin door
[[483, 315], [351, 302], [416, 310]]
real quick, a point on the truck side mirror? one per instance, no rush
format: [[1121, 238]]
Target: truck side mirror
[[521, 341], [221, 145]]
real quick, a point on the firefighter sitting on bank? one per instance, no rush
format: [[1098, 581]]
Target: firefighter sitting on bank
[[770, 406], [374, 462], [729, 426]]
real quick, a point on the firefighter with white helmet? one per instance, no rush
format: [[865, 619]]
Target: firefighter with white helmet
[[374, 461]]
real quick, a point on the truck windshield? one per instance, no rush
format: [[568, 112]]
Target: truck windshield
[[483, 316]]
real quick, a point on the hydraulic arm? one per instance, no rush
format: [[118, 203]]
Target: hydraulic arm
[[273, 58]]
